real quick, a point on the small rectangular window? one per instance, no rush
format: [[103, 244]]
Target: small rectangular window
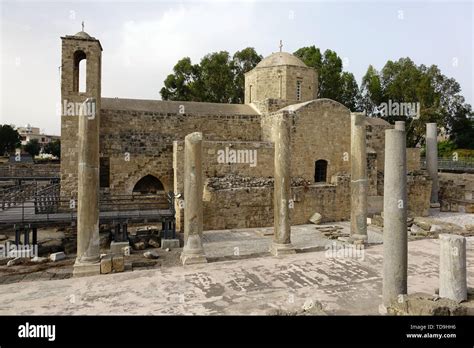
[[298, 90], [104, 172]]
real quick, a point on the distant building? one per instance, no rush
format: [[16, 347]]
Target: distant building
[[29, 133]]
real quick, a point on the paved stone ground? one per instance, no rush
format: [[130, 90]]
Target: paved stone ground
[[343, 285], [256, 241]]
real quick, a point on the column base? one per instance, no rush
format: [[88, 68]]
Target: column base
[[358, 238], [435, 205], [278, 249], [82, 269], [117, 247], [170, 243], [192, 258]]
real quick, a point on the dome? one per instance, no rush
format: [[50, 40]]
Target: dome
[[83, 35], [280, 58]]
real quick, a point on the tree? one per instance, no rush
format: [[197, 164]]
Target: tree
[[371, 90], [350, 94], [242, 62], [181, 84], [9, 139], [333, 83], [53, 148], [216, 78], [438, 99], [32, 147]]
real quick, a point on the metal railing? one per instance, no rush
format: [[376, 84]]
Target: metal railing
[[48, 207], [466, 164], [14, 195]]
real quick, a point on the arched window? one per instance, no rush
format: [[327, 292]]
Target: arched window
[[148, 185], [79, 83], [320, 171]]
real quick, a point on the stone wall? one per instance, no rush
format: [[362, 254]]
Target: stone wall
[[137, 137], [279, 82], [70, 94], [456, 192], [372, 173], [30, 169], [413, 159], [418, 190], [244, 207], [375, 133], [212, 168], [419, 193], [314, 136]]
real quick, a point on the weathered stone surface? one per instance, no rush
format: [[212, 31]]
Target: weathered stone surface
[[38, 259], [281, 244], [3, 237], [424, 304], [193, 251], [316, 218], [118, 247], [118, 263], [106, 265], [422, 223], [417, 230], [452, 267], [153, 243], [14, 262], [432, 159], [57, 256], [152, 254], [359, 180], [139, 246], [395, 236], [4, 260], [436, 229], [170, 244]]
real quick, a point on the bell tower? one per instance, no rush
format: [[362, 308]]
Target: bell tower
[[76, 50]]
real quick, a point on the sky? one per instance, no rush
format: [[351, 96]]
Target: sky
[[142, 41]]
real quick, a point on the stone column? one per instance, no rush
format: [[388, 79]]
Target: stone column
[[282, 187], [88, 252], [400, 125], [432, 160], [452, 267], [193, 251], [359, 180], [395, 241]]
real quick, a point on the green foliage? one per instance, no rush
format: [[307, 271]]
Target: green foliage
[[9, 139], [218, 78], [181, 84], [333, 83], [32, 147], [243, 61], [446, 148], [53, 148], [438, 97]]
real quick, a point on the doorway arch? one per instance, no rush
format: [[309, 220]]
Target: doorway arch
[[149, 184]]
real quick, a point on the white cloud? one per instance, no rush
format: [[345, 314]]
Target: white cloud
[[149, 49]]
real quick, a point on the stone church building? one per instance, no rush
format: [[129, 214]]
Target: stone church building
[[142, 151]]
